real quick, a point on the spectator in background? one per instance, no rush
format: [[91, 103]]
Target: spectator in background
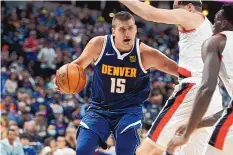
[[15, 127], [71, 137], [60, 125], [4, 123], [30, 129], [11, 84], [52, 131], [8, 105], [84, 106], [25, 141], [61, 122], [68, 105], [76, 117], [50, 146], [9, 30], [14, 17], [41, 105], [4, 77], [21, 107], [30, 46], [62, 147], [25, 116], [59, 57], [47, 58], [11, 145], [41, 125], [111, 147], [5, 59], [50, 22]]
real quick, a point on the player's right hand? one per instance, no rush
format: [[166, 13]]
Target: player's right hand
[[181, 129]]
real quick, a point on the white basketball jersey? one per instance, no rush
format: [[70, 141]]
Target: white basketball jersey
[[190, 49], [226, 70]]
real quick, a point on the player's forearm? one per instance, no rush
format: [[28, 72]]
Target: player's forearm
[[211, 120], [171, 67], [141, 9], [200, 107], [82, 63]]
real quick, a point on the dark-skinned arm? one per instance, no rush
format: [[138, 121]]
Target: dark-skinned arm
[[211, 56], [210, 120]]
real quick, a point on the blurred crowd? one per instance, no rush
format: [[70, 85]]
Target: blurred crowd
[[38, 39]]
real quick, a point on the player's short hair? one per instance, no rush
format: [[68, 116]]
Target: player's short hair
[[197, 4], [122, 16], [228, 12]]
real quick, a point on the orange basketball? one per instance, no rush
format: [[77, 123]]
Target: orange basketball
[[70, 78]]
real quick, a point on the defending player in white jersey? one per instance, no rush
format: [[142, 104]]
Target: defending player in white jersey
[[194, 29], [218, 61]]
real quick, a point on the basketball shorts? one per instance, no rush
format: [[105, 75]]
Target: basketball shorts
[[176, 112], [221, 141]]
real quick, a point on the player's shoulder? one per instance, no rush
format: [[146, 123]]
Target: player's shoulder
[[96, 44], [143, 47], [216, 41], [146, 49], [98, 40], [147, 52]]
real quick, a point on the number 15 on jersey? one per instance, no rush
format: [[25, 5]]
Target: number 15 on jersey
[[118, 85]]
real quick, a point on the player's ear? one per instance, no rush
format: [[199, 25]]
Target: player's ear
[[190, 7], [223, 24], [136, 28], [113, 31]]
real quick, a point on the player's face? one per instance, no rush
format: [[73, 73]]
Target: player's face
[[124, 32], [219, 22]]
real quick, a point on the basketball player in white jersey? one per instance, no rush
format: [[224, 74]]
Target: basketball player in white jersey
[[217, 55], [194, 29]]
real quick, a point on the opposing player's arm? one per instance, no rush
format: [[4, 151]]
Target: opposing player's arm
[[152, 58], [211, 56], [91, 52], [210, 120], [147, 12], [212, 61]]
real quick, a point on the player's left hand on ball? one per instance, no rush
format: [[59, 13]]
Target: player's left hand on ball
[[176, 142]]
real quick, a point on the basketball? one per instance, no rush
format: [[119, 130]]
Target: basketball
[[70, 78]]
